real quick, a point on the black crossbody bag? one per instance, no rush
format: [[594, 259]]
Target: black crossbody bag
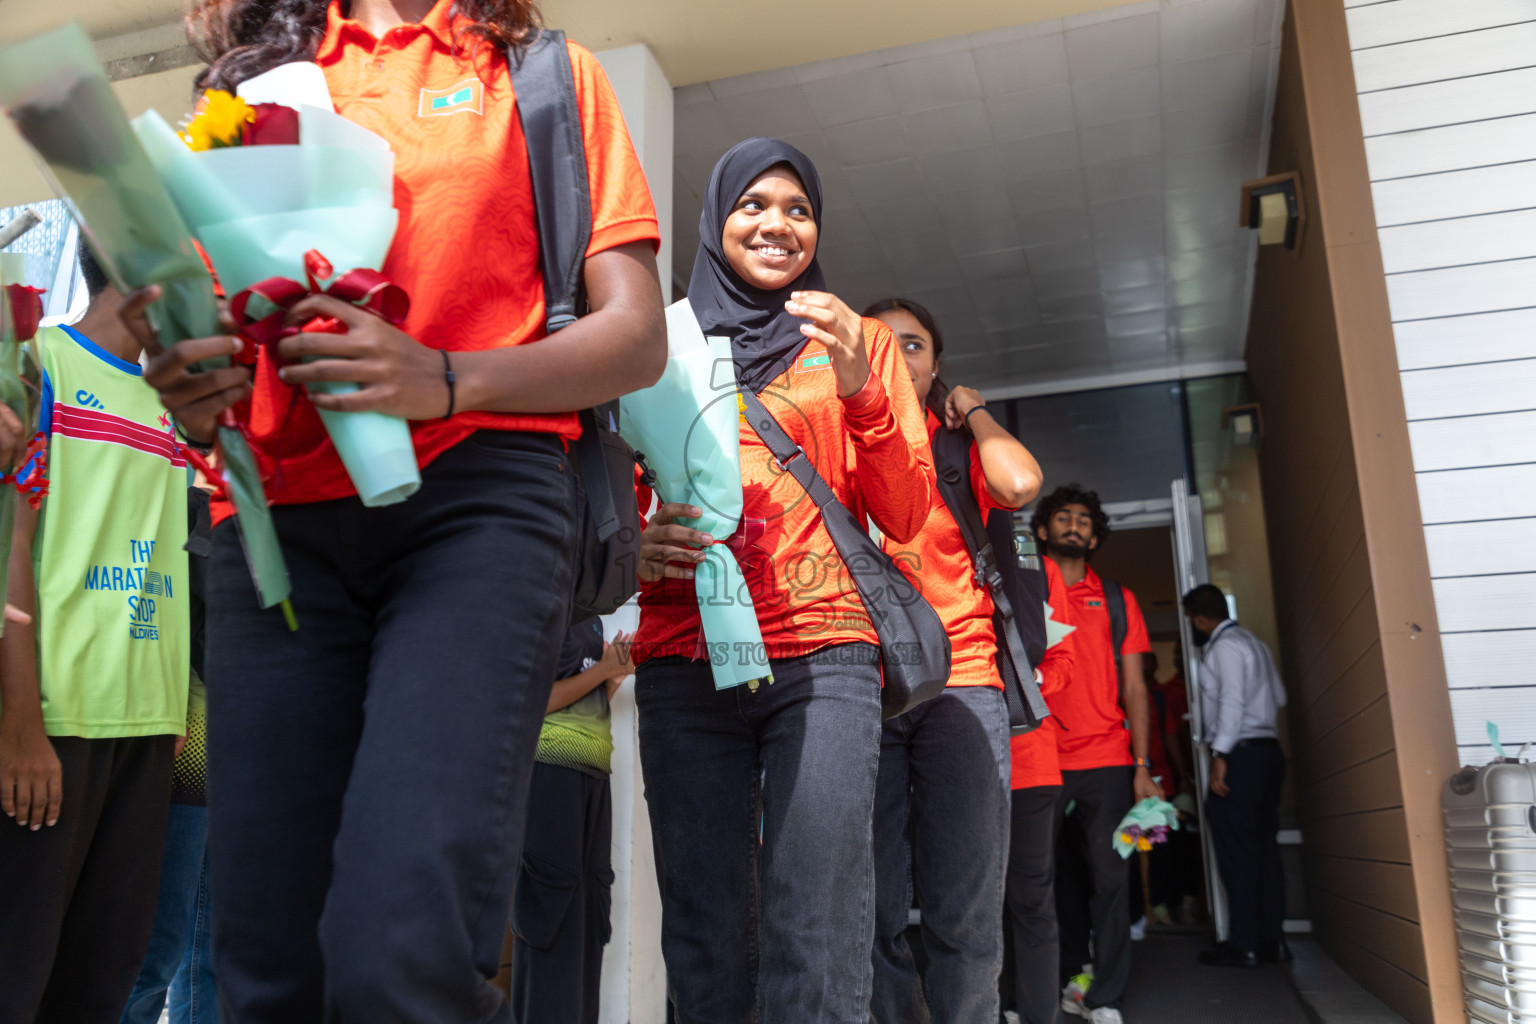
[[952, 460], [914, 649]]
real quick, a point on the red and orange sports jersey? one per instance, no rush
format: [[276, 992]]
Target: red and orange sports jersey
[[1093, 732], [467, 248], [939, 563], [871, 449], [1033, 755]]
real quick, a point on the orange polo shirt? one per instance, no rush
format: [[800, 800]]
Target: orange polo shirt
[[938, 561], [1093, 732], [1033, 755], [467, 248], [872, 451]]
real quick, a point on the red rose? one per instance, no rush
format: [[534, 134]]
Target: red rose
[[275, 125]]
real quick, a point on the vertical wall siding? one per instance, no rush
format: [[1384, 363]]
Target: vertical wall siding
[[1447, 93]]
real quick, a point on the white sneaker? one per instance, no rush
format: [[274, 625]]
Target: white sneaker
[[1009, 1017], [1139, 929], [1072, 995], [1104, 1015]]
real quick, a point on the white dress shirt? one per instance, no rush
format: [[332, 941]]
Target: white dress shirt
[[1240, 690]]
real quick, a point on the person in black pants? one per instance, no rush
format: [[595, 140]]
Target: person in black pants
[[564, 887], [1241, 696]]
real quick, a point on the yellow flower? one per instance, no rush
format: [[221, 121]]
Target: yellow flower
[[1143, 843], [1125, 837], [220, 119]]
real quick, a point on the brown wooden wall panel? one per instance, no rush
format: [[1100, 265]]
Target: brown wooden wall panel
[[1360, 686], [1375, 835], [1341, 744], [1397, 988], [1372, 786], [1394, 939], [1388, 887]]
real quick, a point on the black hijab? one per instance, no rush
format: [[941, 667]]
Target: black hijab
[[765, 339]]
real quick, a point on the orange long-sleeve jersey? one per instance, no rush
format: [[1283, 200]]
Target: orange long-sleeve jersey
[[1034, 757], [938, 562], [871, 448]]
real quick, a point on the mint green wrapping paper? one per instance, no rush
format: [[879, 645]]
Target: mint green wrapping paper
[[257, 210], [54, 90], [687, 425]]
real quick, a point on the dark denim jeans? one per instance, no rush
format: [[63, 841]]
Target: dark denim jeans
[[178, 971], [761, 806], [368, 773], [941, 828]]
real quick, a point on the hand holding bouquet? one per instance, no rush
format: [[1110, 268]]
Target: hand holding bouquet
[[280, 195], [687, 424], [1145, 825], [21, 392]]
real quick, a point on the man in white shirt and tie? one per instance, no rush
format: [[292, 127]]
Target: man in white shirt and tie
[[1240, 697]]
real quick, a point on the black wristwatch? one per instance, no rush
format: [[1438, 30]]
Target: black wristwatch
[[1141, 762]]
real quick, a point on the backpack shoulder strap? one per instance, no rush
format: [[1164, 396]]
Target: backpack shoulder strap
[[545, 88], [557, 164], [1114, 603], [952, 468]]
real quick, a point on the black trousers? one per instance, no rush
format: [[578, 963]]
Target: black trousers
[[564, 894], [77, 901], [1244, 829], [368, 774], [1031, 905], [1102, 797]]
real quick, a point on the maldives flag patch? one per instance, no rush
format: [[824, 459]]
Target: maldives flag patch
[[816, 362], [468, 97]]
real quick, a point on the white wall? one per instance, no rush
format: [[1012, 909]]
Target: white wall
[[634, 977], [1448, 104]]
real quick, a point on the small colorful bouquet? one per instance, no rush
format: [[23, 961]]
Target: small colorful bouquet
[[55, 91], [687, 424], [1145, 826], [280, 190]]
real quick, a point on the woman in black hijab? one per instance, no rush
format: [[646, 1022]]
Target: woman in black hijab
[[761, 798]]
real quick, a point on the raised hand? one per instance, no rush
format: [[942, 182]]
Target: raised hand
[[839, 328]]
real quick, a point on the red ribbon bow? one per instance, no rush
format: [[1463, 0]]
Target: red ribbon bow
[[26, 309], [364, 288]]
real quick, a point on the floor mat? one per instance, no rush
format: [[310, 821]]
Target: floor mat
[[1170, 986]]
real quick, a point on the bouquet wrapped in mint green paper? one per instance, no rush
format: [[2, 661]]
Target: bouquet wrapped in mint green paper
[[279, 189], [55, 91], [20, 388], [687, 424]]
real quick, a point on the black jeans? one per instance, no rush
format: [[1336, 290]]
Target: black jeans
[[564, 895], [941, 827], [1031, 899], [1244, 829], [368, 773], [77, 901], [1103, 796], [761, 807]]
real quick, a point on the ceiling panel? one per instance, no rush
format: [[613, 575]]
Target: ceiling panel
[[1062, 195]]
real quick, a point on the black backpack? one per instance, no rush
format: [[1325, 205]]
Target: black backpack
[[1018, 594], [608, 565]]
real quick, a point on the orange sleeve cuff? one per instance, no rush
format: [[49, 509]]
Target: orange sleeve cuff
[[611, 236], [866, 395]]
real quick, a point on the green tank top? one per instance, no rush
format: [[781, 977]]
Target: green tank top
[[113, 629]]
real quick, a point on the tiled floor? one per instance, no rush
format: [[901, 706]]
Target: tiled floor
[[1333, 996]]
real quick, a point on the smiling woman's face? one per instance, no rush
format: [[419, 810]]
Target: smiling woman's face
[[770, 237]]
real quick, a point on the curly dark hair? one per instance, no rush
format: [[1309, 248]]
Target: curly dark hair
[[939, 391], [240, 39], [1071, 494]]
